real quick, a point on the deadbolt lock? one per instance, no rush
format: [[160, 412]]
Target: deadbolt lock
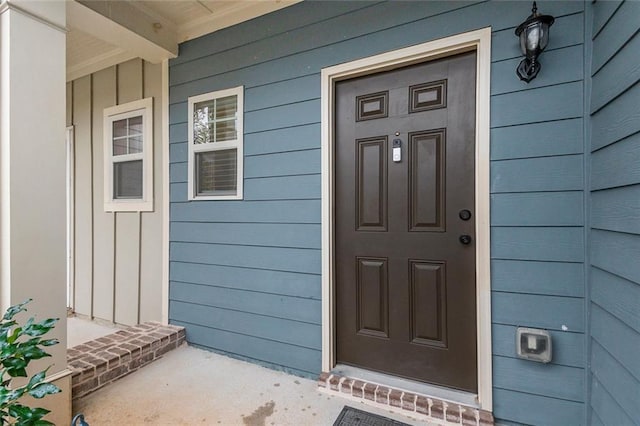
[[465, 214], [465, 239]]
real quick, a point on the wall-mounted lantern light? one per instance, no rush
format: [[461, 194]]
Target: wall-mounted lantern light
[[534, 37]]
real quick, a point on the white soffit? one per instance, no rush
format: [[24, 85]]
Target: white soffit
[[194, 18], [105, 33], [87, 54]]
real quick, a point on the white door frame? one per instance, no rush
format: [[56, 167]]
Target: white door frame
[[479, 40], [71, 175]]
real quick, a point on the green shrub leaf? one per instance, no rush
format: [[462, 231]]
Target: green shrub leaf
[[37, 378], [44, 389], [34, 352], [16, 352], [13, 310]]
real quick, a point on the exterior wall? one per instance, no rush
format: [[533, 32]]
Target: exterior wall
[[615, 215], [245, 275], [118, 256]]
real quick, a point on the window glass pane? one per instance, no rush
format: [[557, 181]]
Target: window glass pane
[[135, 145], [216, 172], [226, 107], [120, 146], [127, 179], [120, 128], [135, 125], [203, 112], [225, 130]]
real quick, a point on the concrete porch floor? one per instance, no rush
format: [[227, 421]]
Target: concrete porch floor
[[81, 330], [192, 386]]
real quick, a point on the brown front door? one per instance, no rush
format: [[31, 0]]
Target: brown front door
[[405, 226]]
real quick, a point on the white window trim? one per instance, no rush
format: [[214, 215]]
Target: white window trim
[[142, 107], [216, 146]]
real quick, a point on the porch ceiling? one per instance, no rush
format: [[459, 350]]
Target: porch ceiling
[[103, 33]]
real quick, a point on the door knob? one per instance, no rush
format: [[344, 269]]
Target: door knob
[[465, 239], [465, 214]]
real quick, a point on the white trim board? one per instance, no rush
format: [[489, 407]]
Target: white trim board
[[71, 220], [166, 206], [479, 40]]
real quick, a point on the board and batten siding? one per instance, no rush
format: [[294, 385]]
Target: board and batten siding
[[245, 275], [118, 256], [614, 276]]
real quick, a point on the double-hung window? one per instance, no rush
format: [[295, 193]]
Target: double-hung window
[[215, 145], [128, 156]]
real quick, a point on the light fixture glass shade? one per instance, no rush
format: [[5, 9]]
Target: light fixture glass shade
[[534, 37]]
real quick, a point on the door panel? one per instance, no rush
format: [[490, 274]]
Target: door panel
[[373, 297], [426, 180], [428, 302], [405, 284], [371, 190]]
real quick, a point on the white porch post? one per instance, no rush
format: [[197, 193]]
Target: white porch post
[[32, 174]]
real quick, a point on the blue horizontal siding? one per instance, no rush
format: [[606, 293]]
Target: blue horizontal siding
[[603, 13], [293, 284], [272, 24], [538, 311], [620, 28], [619, 297], [178, 172], [249, 324], [178, 133], [303, 187], [617, 209], [543, 104], [254, 234], [281, 356], [617, 253], [614, 279], [535, 277], [283, 92], [282, 164], [282, 64], [508, 407], [178, 152], [555, 381], [298, 114], [621, 385], [538, 209], [620, 340], [567, 62], [534, 243], [563, 173], [620, 73], [318, 34], [271, 258], [616, 165], [594, 420], [279, 211], [237, 261], [545, 139], [621, 118], [283, 140], [606, 407], [178, 113], [253, 302]]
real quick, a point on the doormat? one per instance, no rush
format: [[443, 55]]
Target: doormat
[[350, 416]]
